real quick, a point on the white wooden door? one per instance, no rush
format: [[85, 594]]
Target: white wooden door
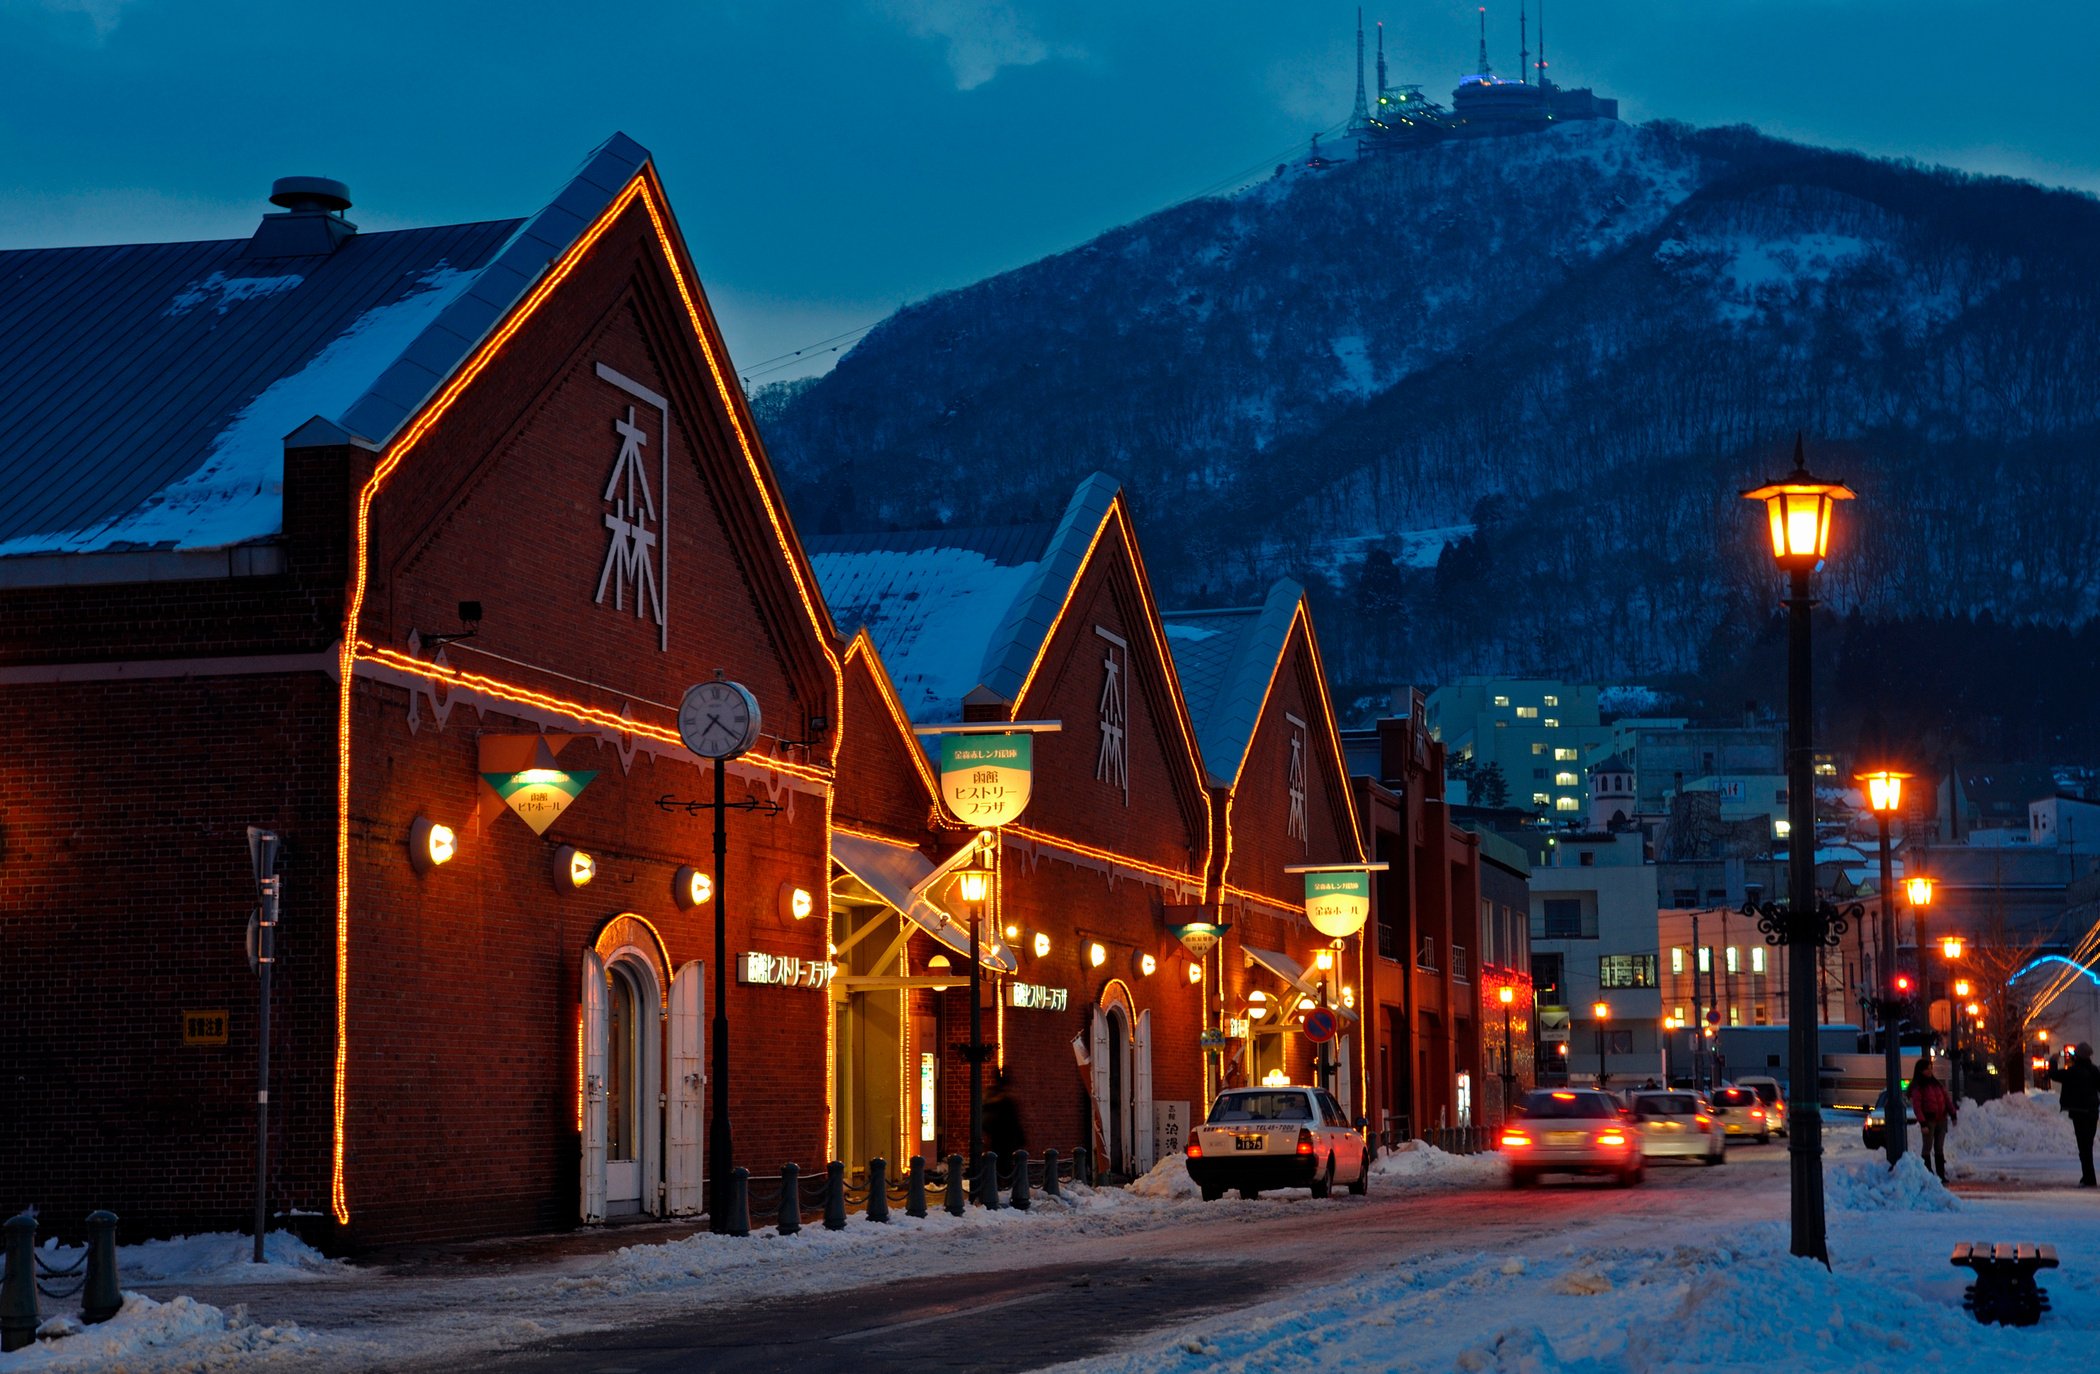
[[1102, 1114], [593, 1202], [682, 1169], [1140, 1115]]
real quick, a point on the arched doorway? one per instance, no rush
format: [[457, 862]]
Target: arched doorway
[[1122, 1082], [622, 1089]]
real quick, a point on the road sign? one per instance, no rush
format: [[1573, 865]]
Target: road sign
[[1713, 1018], [1320, 1025]]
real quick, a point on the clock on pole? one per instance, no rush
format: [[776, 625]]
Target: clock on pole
[[719, 719]]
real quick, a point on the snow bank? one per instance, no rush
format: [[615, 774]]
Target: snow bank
[[1418, 1164], [1869, 1185], [181, 1334], [2018, 1124], [1168, 1179], [217, 1257]]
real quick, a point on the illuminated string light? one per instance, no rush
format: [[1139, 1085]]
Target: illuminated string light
[[1087, 851]]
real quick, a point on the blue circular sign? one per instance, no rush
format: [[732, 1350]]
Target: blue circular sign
[[1320, 1024]]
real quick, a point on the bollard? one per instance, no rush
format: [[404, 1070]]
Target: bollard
[[99, 1295], [1020, 1194], [1083, 1165], [878, 1189], [915, 1190], [988, 1181], [835, 1196], [18, 1314], [954, 1190], [739, 1202], [790, 1199], [1050, 1173]]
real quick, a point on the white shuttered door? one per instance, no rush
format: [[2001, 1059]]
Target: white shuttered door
[[682, 1169], [1142, 1152], [593, 1202], [1102, 1115]]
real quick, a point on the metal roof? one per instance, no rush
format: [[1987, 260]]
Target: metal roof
[[1225, 660], [145, 389]]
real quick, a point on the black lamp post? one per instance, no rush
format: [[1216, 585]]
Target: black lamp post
[[1507, 996], [972, 883], [1884, 796], [1602, 1011], [1798, 509]]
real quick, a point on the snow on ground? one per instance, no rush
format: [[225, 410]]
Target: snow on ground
[[219, 1257], [180, 1334], [1869, 1185], [1418, 1164]]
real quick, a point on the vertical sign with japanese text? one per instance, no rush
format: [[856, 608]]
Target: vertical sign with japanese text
[[986, 779]]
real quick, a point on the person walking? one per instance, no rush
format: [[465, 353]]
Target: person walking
[[2078, 1093], [1933, 1108]]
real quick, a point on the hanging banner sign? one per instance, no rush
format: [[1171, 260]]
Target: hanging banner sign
[[538, 795], [781, 971], [1200, 937], [1338, 904], [1036, 997], [986, 779]]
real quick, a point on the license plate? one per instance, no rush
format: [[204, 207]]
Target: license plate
[[1566, 1137], [1247, 1142]]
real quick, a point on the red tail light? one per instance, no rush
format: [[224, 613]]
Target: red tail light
[[1515, 1140], [1758, 1112], [1706, 1124], [1612, 1138], [1195, 1147], [1305, 1141]]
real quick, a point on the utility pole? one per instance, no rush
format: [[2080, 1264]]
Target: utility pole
[[262, 856]]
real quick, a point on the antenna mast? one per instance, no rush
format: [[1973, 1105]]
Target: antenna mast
[[1542, 44], [1523, 47], [1485, 69], [1381, 62], [1360, 117]]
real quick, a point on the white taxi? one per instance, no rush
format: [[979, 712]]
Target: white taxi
[[1277, 1137]]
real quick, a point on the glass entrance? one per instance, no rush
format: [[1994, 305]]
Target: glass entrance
[[624, 1092]]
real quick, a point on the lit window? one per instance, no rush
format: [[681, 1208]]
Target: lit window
[[1826, 770], [1677, 962], [1677, 1014], [1567, 804], [1527, 713], [1502, 701], [1561, 753], [1757, 958], [1539, 749], [1541, 799], [1706, 959], [1735, 1016], [1734, 959], [1781, 829], [1565, 779], [1552, 723], [1551, 701]]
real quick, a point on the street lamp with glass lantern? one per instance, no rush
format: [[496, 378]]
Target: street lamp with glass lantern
[[1507, 995], [1602, 1011], [1885, 798], [1798, 511], [972, 882]]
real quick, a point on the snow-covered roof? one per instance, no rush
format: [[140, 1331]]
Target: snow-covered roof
[[146, 389], [1225, 659]]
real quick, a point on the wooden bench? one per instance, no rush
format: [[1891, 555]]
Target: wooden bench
[[2005, 1292]]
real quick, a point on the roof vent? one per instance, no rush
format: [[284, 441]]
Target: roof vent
[[312, 223]]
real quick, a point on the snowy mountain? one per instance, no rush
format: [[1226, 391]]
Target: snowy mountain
[[1493, 400]]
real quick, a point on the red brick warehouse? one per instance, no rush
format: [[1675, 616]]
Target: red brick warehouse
[[534, 415]]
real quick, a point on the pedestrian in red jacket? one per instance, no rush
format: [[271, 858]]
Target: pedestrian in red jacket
[[1934, 1109]]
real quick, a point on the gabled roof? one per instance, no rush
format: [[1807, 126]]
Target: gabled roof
[[954, 610], [146, 389], [1612, 763], [1225, 659]]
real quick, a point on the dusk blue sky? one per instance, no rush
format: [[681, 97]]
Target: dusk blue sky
[[834, 159]]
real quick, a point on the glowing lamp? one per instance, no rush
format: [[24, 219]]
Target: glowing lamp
[[1349, 997], [973, 882], [1962, 988], [1951, 946], [1798, 509], [690, 888], [1919, 890], [2042, 1035], [1275, 1078], [1195, 973], [573, 868], [1013, 932], [1323, 960], [1974, 1010], [1096, 954], [1601, 1010], [430, 844], [1884, 790], [1564, 1049], [1257, 1005], [795, 902], [543, 767], [1146, 964], [1042, 945], [1506, 994]]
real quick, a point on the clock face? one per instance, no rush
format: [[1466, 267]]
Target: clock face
[[718, 720]]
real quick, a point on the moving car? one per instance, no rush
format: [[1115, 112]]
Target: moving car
[[1874, 1128], [1571, 1131], [1739, 1111], [1771, 1094], [1677, 1125], [1277, 1137]]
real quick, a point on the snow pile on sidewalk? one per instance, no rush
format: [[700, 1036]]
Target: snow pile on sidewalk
[[1417, 1163], [213, 1258], [1869, 1185], [181, 1334], [1169, 1179], [2019, 1124]]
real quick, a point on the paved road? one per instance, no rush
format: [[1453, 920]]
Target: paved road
[[1082, 1296]]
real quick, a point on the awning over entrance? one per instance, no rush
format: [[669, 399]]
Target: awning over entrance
[[900, 875], [1292, 972]]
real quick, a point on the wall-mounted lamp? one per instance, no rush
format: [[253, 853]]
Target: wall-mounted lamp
[[1349, 997], [430, 844], [795, 902], [1195, 973], [470, 621], [1042, 945], [1257, 1005], [690, 888], [1096, 954], [1323, 960], [1146, 965], [573, 868]]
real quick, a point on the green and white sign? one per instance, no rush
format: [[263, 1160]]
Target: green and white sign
[[986, 779], [1338, 904], [538, 795]]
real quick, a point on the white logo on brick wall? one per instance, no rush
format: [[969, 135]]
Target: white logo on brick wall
[[1112, 765], [1294, 824], [637, 554]]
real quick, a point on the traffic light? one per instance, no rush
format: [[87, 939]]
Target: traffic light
[[1903, 985]]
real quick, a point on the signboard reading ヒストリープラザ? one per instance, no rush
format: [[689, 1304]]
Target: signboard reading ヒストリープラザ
[[986, 779]]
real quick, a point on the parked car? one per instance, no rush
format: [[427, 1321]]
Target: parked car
[[1571, 1131], [1739, 1111], [1874, 1127], [1678, 1125], [1277, 1137], [1771, 1094]]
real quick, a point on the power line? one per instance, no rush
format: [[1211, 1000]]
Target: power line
[[780, 362]]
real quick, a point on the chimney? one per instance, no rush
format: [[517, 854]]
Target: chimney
[[312, 224]]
